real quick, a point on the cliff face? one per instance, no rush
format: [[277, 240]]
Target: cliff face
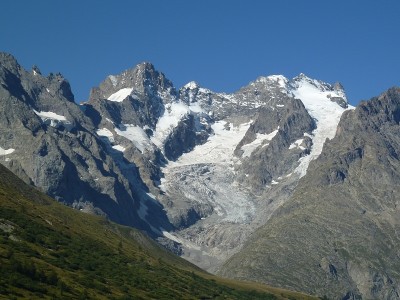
[[338, 234], [48, 141]]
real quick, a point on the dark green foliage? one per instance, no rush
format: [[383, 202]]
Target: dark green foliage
[[53, 252]]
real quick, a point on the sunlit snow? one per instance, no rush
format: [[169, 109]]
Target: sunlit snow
[[215, 157], [136, 135], [173, 114], [44, 115], [119, 148], [106, 133], [219, 147], [120, 95], [53, 118], [261, 139], [191, 85], [297, 144], [325, 112]]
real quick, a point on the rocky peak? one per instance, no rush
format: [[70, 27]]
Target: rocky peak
[[32, 87], [146, 76], [192, 92], [142, 80], [193, 85], [303, 79], [382, 109], [272, 80], [338, 86], [9, 62], [36, 70]]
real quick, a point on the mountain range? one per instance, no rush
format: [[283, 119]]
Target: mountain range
[[281, 182]]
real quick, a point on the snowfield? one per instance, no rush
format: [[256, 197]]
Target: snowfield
[[173, 114], [219, 147], [136, 135], [120, 95], [325, 112], [205, 175]]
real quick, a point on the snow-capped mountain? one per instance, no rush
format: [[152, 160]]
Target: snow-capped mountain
[[202, 172], [197, 157], [256, 149]]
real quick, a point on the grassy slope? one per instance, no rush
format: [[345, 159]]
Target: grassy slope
[[49, 251]]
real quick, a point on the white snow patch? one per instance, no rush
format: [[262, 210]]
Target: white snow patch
[[136, 135], [205, 91], [191, 85], [120, 95], [162, 186], [53, 119], [280, 105], [282, 80], [173, 114], [47, 90], [274, 182], [260, 139], [119, 148], [44, 115], [106, 133], [6, 152], [152, 196], [325, 112], [297, 144]]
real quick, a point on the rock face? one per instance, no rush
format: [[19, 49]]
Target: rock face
[[276, 158], [254, 182], [47, 141], [341, 226]]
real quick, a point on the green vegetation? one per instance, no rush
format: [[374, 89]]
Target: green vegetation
[[50, 251]]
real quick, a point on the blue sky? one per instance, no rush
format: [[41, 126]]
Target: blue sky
[[221, 44]]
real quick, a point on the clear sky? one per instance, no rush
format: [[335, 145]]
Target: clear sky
[[221, 44]]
